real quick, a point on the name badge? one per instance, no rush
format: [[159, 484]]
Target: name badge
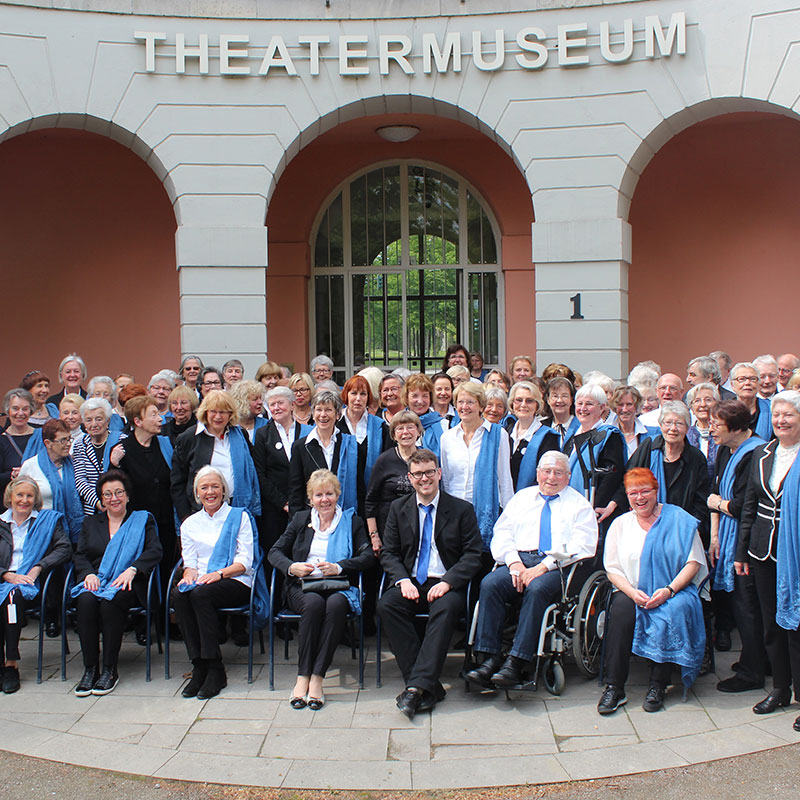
[[279, 445]]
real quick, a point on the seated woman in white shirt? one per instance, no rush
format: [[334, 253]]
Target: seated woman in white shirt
[[217, 545], [476, 447]]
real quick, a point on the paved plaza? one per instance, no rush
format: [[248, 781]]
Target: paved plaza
[[250, 736]]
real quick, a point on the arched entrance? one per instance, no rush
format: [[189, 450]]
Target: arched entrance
[[469, 161], [88, 257], [715, 241]]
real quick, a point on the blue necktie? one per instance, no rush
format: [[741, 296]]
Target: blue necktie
[[425, 544], [545, 536]]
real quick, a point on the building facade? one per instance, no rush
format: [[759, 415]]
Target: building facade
[[595, 183]]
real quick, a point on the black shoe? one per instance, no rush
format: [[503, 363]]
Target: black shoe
[[87, 682], [199, 674], [723, 641], [430, 699], [482, 675], [10, 680], [408, 701], [612, 698], [241, 639], [52, 629], [796, 725], [141, 638], [738, 684], [510, 674], [215, 681], [654, 701], [773, 701], [107, 682]]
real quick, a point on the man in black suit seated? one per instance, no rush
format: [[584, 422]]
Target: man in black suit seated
[[431, 550]]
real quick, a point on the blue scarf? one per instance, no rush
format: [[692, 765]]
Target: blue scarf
[[657, 468], [572, 429], [40, 534], [432, 437], [673, 633], [728, 526], [576, 479], [165, 445], [347, 470], [340, 546], [788, 566], [223, 554], [764, 424], [374, 443], [508, 421], [52, 410], [65, 495], [35, 445], [530, 458], [246, 493], [430, 418], [485, 493], [111, 442], [116, 423], [125, 547]]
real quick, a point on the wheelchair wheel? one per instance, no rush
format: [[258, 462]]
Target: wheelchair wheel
[[590, 623], [553, 676]]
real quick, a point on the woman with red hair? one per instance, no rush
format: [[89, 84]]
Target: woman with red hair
[[655, 559]]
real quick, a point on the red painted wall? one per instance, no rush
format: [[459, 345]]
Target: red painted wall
[[87, 258], [716, 242], [328, 160]]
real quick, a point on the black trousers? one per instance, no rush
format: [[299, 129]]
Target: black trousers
[[10, 632], [97, 616], [619, 641], [747, 615], [322, 622], [196, 611], [421, 660], [782, 646]]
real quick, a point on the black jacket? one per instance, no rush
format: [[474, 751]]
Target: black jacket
[[307, 456], [272, 466], [456, 534], [58, 551]]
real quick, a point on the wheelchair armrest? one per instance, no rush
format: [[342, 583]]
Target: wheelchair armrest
[[582, 568]]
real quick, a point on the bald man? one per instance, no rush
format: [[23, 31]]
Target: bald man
[[669, 387], [787, 364]]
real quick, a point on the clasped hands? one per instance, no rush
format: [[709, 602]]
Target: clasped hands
[[646, 601], [521, 575], [302, 569], [123, 581]]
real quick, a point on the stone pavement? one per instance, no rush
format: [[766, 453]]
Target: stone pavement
[[250, 736]]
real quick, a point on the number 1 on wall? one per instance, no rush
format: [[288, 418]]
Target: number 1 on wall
[[576, 306]]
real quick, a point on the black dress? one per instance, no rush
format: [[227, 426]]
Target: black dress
[[388, 481], [10, 458]]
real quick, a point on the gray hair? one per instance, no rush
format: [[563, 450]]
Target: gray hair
[[103, 379], [708, 367], [790, 396], [23, 394], [190, 358], [693, 392], [280, 391], [743, 365], [204, 472], [764, 361], [163, 375], [327, 396], [496, 393], [78, 360], [402, 372], [642, 375], [718, 355], [677, 407], [561, 459], [95, 404], [392, 377], [320, 361], [601, 379], [593, 390]]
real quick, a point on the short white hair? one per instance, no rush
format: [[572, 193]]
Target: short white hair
[[740, 365], [693, 392], [790, 396], [320, 361], [205, 472], [601, 379], [163, 375], [642, 375], [677, 407], [561, 459], [103, 379], [594, 391], [95, 404], [78, 360], [280, 391], [764, 361]]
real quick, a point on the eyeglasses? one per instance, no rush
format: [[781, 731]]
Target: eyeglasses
[[673, 423], [428, 473], [639, 492], [116, 493], [390, 390], [65, 440], [746, 379], [211, 383], [302, 390]]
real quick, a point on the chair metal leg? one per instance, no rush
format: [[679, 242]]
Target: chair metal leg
[[147, 645], [250, 649], [271, 651], [361, 651]]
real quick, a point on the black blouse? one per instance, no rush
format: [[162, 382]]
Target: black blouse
[[388, 481]]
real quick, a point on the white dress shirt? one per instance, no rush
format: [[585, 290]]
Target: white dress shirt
[[326, 451], [199, 535], [359, 430], [287, 439], [31, 469], [436, 568], [781, 464], [318, 551], [573, 527], [221, 454], [650, 418], [517, 435], [19, 533], [459, 460]]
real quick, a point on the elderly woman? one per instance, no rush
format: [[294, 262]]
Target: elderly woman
[[650, 401], [734, 445], [769, 544], [596, 452], [325, 542], [655, 559], [190, 370], [521, 368], [374, 376], [456, 354], [15, 441], [560, 397], [216, 440], [302, 385], [103, 386], [459, 374], [419, 395], [38, 384], [325, 447], [91, 453], [69, 412], [496, 410], [217, 544], [530, 440], [71, 373], [182, 403], [210, 380], [249, 398], [232, 372], [32, 542], [116, 551], [321, 368], [627, 402], [700, 399], [54, 474], [391, 396], [271, 454], [476, 457], [476, 363], [268, 375], [744, 380], [159, 388]]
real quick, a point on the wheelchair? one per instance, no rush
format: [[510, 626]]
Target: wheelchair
[[572, 628]]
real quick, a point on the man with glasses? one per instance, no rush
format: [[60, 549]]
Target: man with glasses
[[669, 387], [431, 551], [538, 523]]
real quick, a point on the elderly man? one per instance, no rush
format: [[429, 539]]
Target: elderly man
[[539, 522], [705, 369], [767, 368], [724, 362], [787, 364], [669, 387], [431, 551]]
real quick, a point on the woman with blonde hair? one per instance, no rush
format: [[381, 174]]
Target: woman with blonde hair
[[302, 384], [249, 397]]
